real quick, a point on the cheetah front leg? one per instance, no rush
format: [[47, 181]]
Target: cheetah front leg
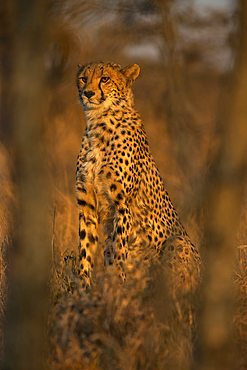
[[88, 229], [121, 232], [118, 234], [117, 243]]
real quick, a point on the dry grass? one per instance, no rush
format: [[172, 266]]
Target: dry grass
[[240, 317], [6, 201], [143, 324], [139, 325]]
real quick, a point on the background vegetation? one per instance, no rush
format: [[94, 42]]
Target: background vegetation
[[191, 95]]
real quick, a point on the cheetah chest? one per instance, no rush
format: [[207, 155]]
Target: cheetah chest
[[93, 163], [93, 158], [96, 184]]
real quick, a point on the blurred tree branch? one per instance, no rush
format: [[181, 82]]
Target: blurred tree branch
[[28, 29], [225, 195]]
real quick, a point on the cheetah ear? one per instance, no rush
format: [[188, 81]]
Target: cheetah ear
[[79, 66], [131, 73]]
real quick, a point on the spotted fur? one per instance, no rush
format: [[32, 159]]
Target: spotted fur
[[117, 181]]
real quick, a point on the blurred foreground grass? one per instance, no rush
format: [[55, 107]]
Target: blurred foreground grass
[[144, 324]]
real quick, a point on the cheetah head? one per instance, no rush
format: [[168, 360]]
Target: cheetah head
[[103, 85]]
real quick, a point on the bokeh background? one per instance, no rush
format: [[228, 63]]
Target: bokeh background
[[191, 96]]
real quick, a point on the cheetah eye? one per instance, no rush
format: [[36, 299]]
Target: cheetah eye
[[104, 79], [84, 79]]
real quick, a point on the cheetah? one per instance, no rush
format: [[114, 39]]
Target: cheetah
[[117, 181]]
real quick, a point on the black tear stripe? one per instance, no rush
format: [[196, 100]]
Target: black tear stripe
[[102, 94]]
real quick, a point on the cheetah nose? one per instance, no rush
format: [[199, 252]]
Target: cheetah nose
[[89, 94]]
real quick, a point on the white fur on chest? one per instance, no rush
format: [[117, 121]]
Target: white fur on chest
[[93, 159]]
